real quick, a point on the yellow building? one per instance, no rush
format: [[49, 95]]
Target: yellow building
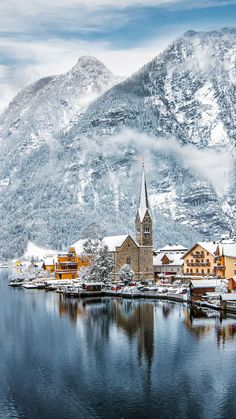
[[49, 264], [200, 259], [69, 264], [225, 259]]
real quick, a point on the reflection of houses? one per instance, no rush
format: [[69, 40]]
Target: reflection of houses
[[168, 260], [200, 259], [225, 257], [198, 323]]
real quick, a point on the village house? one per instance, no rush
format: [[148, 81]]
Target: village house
[[225, 258], [168, 261], [68, 264], [203, 286], [49, 264], [200, 259]]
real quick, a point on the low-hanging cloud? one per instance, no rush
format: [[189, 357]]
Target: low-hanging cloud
[[215, 166]]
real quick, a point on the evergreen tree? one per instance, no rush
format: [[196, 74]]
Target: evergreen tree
[[103, 265], [126, 274]]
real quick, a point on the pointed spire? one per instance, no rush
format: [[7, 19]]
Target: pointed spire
[[143, 203]]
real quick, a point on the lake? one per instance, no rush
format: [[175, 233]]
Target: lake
[[113, 358]]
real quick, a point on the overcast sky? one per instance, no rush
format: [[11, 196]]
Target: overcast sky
[[44, 37]]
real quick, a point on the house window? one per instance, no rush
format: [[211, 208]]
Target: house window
[[187, 270], [208, 271], [196, 270], [147, 230], [191, 271], [203, 271], [128, 261]]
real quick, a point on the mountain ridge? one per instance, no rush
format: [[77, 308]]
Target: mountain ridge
[[82, 176]]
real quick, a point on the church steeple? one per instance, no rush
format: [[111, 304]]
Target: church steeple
[[143, 201], [143, 222]]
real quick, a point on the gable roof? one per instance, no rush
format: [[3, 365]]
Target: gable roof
[[114, 241], [210, 247], [227, 249], [79, 246], [175, 259]]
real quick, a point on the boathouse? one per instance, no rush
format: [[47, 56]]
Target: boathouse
[[202, 286]]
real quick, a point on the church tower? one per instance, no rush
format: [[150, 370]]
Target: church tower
[[143, 227], [143, 222]]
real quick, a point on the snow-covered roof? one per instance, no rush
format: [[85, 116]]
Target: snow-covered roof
[[228, 297], [114, 241], [227, 249], [143, 203], [50, 260], [175, 259], [208, 246], [173, 248], [206, 283], [79, 246]]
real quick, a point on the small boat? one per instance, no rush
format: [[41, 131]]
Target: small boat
[[29, 285], [16, 282]]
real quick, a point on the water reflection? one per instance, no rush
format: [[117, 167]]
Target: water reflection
[[135, 319], [108, 357]]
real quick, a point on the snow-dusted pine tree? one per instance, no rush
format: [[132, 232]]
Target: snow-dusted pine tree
[[84, 273], [91, 246], [126, 274], [103, 265]]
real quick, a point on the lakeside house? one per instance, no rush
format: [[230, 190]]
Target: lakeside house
[[225, 257], [200, 259], [167, 261], [69, 263], [203, 286]]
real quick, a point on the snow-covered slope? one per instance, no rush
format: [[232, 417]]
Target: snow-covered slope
[[69, 160]]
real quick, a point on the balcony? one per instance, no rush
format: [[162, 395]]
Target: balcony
[[198, 264], [198, 255]]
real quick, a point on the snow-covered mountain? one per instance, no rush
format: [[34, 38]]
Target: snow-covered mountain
[[70, 153]]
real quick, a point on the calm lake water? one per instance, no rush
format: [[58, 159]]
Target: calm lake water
[[108, 358]]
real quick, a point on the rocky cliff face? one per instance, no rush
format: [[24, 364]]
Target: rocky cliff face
[[70, 153]]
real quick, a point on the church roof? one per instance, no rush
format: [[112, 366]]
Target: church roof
[[114, 241], [143, 203]]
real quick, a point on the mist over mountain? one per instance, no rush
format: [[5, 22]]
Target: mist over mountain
[[71, 148]]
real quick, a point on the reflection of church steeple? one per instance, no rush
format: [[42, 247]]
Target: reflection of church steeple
[[138, 319], [143, 222]]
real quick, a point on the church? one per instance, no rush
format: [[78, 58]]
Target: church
[[136, 252]]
